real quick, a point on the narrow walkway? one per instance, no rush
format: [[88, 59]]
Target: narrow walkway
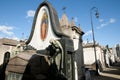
[[112, 73]]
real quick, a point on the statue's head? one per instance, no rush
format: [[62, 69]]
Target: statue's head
[[6, 57]]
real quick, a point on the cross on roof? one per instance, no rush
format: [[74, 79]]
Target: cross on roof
[[64, 8]]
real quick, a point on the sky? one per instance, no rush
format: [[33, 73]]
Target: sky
[[16, 18]]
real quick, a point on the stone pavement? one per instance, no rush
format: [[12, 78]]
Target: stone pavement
[[112, 73]]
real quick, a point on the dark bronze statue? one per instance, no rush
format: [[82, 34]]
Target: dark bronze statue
[[3, 66]]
